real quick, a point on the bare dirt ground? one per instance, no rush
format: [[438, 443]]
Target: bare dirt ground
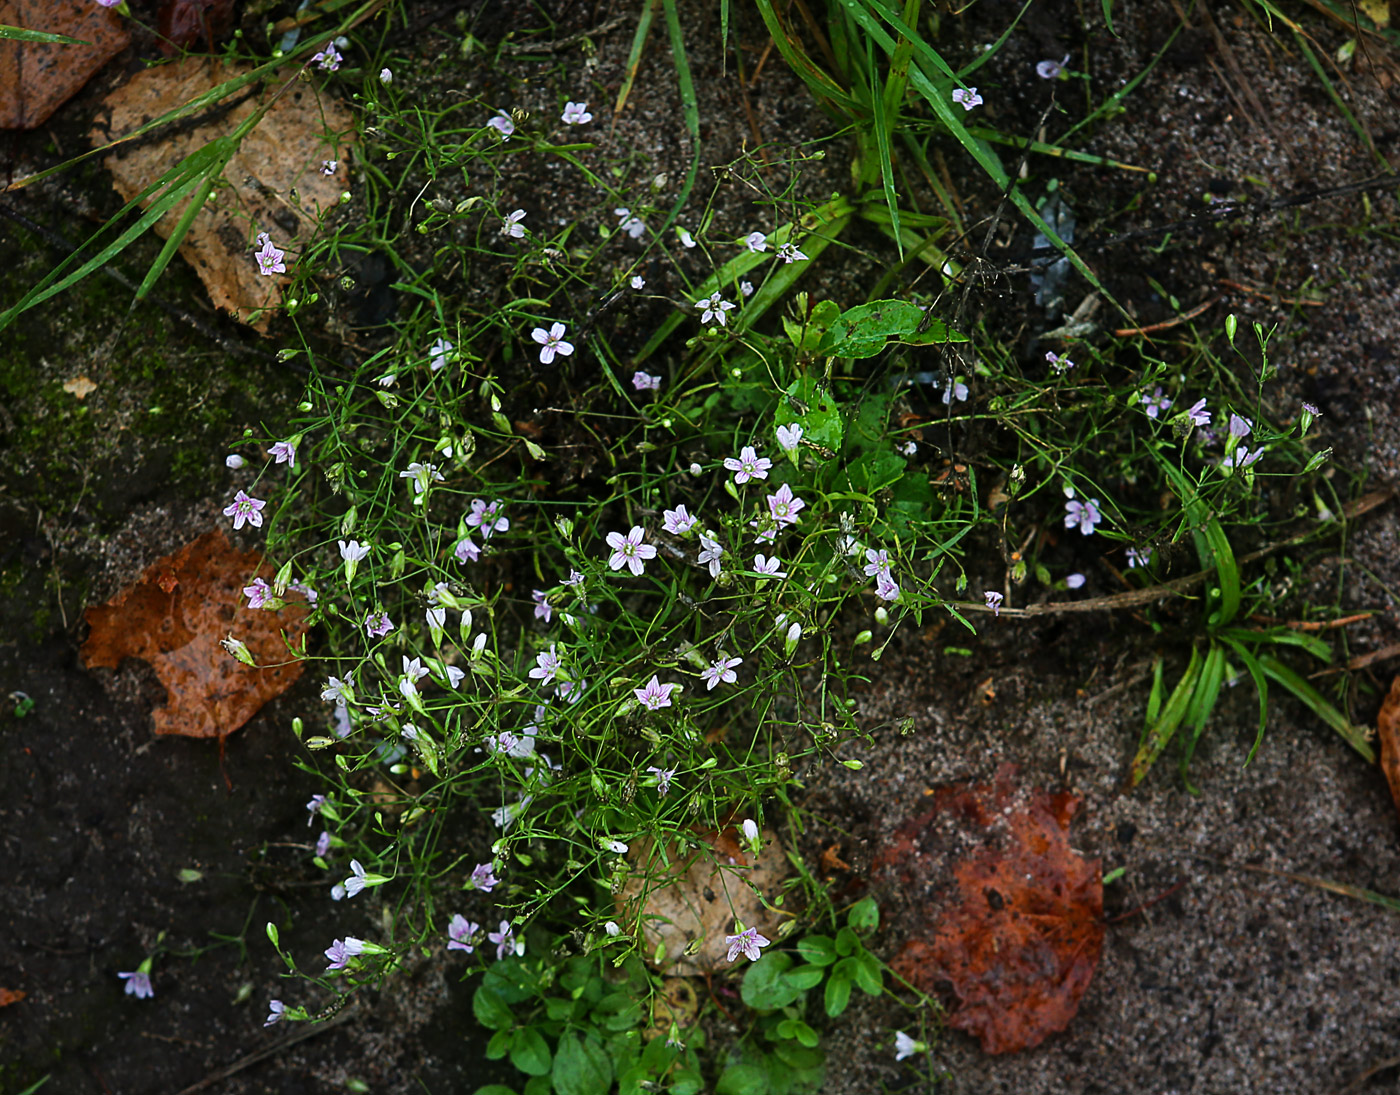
[[1234, 982]]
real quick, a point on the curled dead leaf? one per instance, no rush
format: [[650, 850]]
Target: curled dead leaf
[[686, 901], [1018, 933], [175, 616], [80, 387]]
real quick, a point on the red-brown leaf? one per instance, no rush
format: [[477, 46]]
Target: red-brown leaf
[[1019, 933], [177, 629], [36, 78], [1388, 734]]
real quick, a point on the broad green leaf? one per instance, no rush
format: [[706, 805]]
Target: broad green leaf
[[838, 994], [743, 1079], [806, 977], [764, 987], [817, 949], [864, 915], [581, 1067], [490, 1010], [531, 1053], [810, 405], [494, 1089]]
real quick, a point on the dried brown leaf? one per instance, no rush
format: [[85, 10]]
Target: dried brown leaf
[[1018, 934], [1388, 735], [282, 155], [698, 897], [36, 78], [177, 628]]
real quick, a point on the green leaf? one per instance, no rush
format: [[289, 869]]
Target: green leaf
[[863, 331], [864, 915], [817, 949], [494, 1089], [805, 977], [742, 1079], [810, 405], [838, 994], [847, 942], [500, 1044], [764, 987], [21, 34], [799, 1057], [1355, 736], [531, 1053], [581, 1067], [1108, 17], [490, 1010], [869, 975], [1159, 729]]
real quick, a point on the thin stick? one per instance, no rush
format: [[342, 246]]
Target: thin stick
[[311, 1031], [1167, 324]]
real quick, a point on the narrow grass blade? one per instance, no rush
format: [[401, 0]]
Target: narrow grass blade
[[828, 93], [1108, 17], [1203, 700], [21, 34], [1261, 687], [690, 109], [212, 174], [1157, 734], [1227, 573], [1043, 149], [1355, 736]]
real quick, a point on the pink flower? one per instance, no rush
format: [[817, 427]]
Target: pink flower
[[342, 950], [547, 665], [677, 521], [710, 554], [886, 588], [270, 258], [551, 342], [138, 984], [994, 600], [629, 551], [967, 98], [789, 436], [1083, 514], [768, 566], [748, 466], [720, 670], [748, 943], [505, 941], [877, 562], [283, 452], [655, 695], [258, 594], [328, 167], [378, 624], [784, 507], [502, 124], [714, 308], [756, 241], [543, 611], [466, 551], [646, 382], [244, 508], [329, 58], [576, 114], [483, 879], [459, 933], [663, 784], [484, 517]]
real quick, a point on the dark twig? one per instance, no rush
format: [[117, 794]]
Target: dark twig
[[311, 1030]]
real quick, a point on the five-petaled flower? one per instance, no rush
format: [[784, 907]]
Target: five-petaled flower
[[270, 258], [748, 943], [629, 551], [356, 882], [547, 666], [551, 342], [1058, 363], [459, 933], [1083, 514], [784, 507], [749, 465], [378, 624], [768, 566], [576, 114], [967, 97], [663, 784], [714, 308], [329, 58], [483, 878], [1242, 457], [710, 553], [721, 670], [789, 436], [645, 382], [1198, 414], [438, 352], [789, 253], [1153, 405], [633, 226], [328, 167], [505, 941], [994, 600], [637, 283], [336, 691], [138, 982], [244, 508], [756, 241], [877, 562], [421, 475], [511, 226], [502, 124], [678, 521], [654, 695], [342, 950], [283, 452], [258, 594], [483, 517], [276, 1012], [904, 1046], [543, 610]]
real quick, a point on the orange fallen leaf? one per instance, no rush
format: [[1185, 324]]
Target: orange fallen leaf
[[178, 632], [11, 996], [80, 387], [1388, 734], [274, 181], [36, 78], [1019, 932]]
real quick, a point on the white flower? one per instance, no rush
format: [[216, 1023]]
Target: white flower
[[385, 76], [967, 98], [576, 114], [904, 1046], [511, 226], [750, 828], [551, 342], [714, 307], [790, 254], [687, 240], [756, 241], [638, 281], [612, 929], [438, 352], [233, 460], [789, 436]]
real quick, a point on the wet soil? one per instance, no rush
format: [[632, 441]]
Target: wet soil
[[1213, 978]]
